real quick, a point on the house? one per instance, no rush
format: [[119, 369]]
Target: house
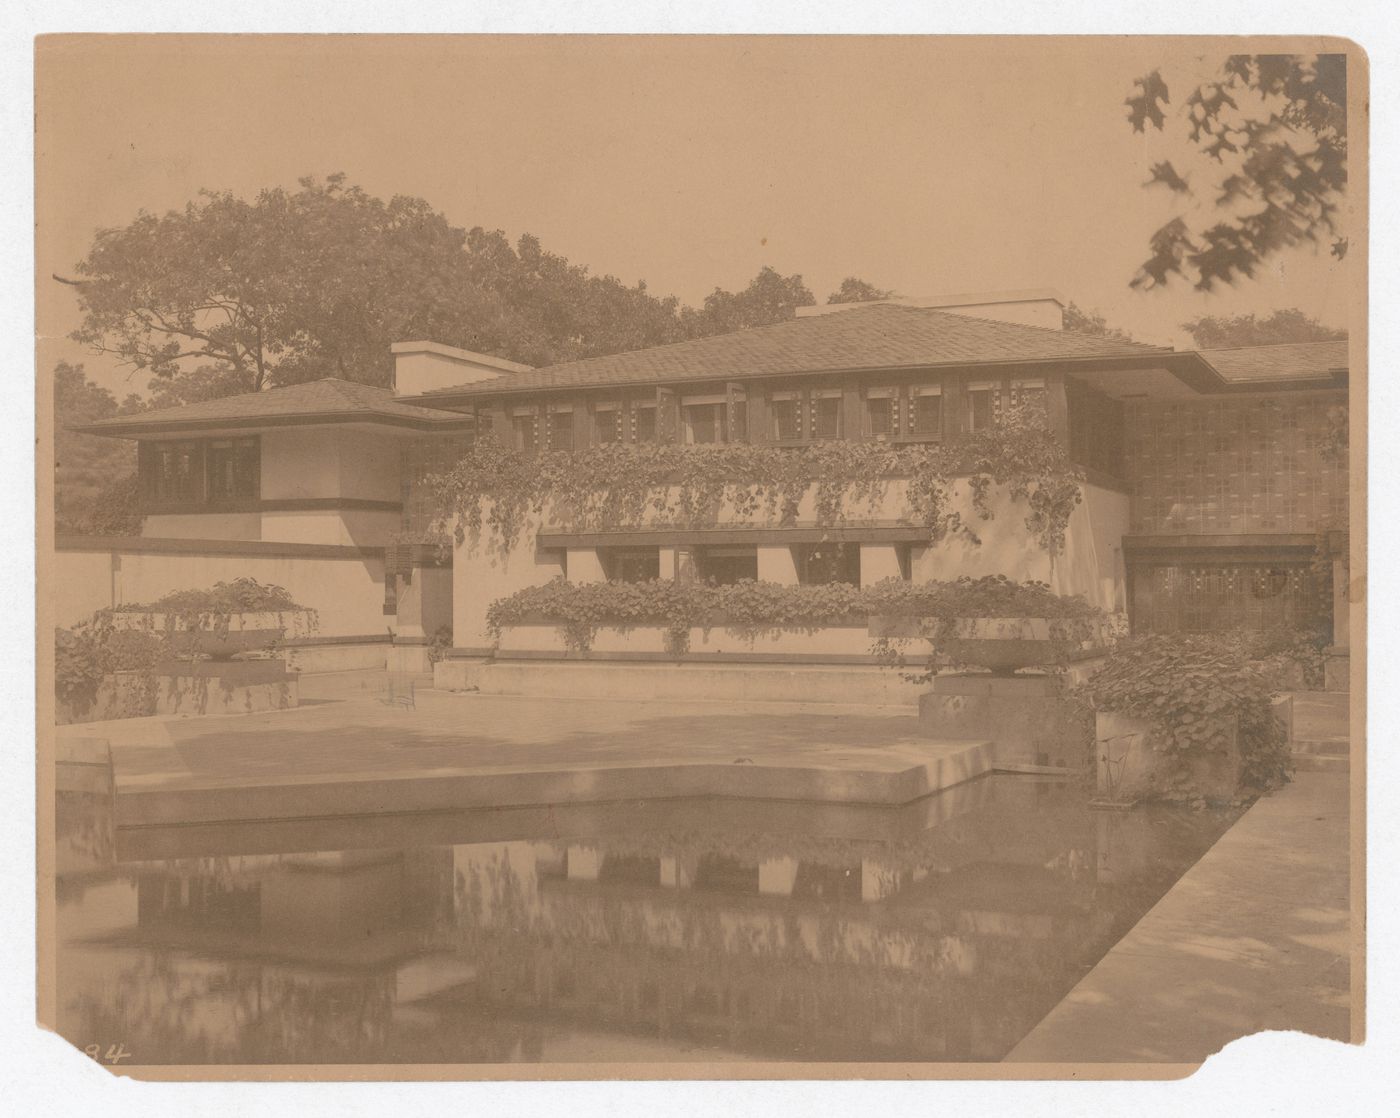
[[1212, 488]]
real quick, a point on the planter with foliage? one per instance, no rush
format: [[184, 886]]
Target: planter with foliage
[[144, 659], [1186, 718], [230, 619], [994, 623]]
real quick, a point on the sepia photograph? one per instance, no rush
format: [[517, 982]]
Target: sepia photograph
[[699, 556]]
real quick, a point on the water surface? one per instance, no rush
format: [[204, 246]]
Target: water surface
[[666, 930]]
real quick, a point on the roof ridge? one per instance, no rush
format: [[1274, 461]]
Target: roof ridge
[[1061, 332], [1273, 345]]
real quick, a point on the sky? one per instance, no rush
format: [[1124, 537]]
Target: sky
[[926, 165]]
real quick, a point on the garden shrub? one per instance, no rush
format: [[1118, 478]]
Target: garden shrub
[[1190, 689]]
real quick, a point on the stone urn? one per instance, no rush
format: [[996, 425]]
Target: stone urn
[[1002, 645]]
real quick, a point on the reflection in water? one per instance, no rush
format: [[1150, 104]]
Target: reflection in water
[[680, 930]]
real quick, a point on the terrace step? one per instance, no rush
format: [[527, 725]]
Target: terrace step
[[1321, 762]]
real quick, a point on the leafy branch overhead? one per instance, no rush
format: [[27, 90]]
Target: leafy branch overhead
[[1270, 133]]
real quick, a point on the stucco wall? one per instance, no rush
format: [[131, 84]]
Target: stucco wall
[[347, 593], [1090, 564], [301, 462], [203, 526]]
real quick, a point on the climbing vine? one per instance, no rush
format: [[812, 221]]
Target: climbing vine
[[494, 489]]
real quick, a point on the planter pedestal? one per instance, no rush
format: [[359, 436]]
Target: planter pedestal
[[1337, 665], [1130, 768], [1028, 718]]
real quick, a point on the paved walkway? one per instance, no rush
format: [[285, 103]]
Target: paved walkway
[[1254, 936]]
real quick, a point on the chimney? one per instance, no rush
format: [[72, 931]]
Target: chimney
[[422, 367], [1039, 306]]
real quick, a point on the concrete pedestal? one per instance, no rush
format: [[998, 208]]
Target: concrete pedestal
[[1130, 767], [1029, 719], [1337, 669]]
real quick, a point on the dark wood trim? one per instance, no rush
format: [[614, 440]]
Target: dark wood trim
[[1104, 481], [875, 532], [171, 546], [1220, 542], [171, 428], [814, 658], [275, 504], [1149, 551], [317, 642]]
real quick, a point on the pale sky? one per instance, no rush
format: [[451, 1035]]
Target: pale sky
[[931, 166]]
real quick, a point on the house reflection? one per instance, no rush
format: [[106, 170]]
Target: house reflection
[[947, 942]]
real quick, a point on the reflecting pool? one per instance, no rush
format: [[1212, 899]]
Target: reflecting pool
[[673, 930]]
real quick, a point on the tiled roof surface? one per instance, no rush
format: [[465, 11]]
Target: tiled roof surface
[[863, 337], [329, 397], [1292, 360]]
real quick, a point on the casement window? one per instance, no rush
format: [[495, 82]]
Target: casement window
[[196, 473], [644, 423], [631, 564], [233, 466], [725, 566], [1030, 395], [982, 405], [822, 563], [738, 403], [881, 413], [524, 426], [825, 411], [705, 419], [609, 423], [926, 412], [559, 427], [785, 410]]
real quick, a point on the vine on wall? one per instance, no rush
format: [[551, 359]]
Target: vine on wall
[[493, 489]]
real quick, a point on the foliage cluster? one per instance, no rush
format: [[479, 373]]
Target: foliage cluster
[[242, 595], [621, 485], [1195, 691], [1270, 134], [86, 654], [235, 294]]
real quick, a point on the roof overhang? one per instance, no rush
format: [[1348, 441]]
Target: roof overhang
[[136, 427]]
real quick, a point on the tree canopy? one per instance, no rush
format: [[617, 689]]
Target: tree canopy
[[1091, 321], [853, 290], [94, 477], [230, 295], [1268, 171], [1288, 325]]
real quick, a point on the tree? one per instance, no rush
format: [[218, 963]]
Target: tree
[[1092, 322], [552, 311], [288, 287], [769, 298], [854, 290], [1288, 325], [207, 382], [94, 477], [1271, 138]]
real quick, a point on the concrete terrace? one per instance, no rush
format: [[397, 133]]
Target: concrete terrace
[[363, 754]]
